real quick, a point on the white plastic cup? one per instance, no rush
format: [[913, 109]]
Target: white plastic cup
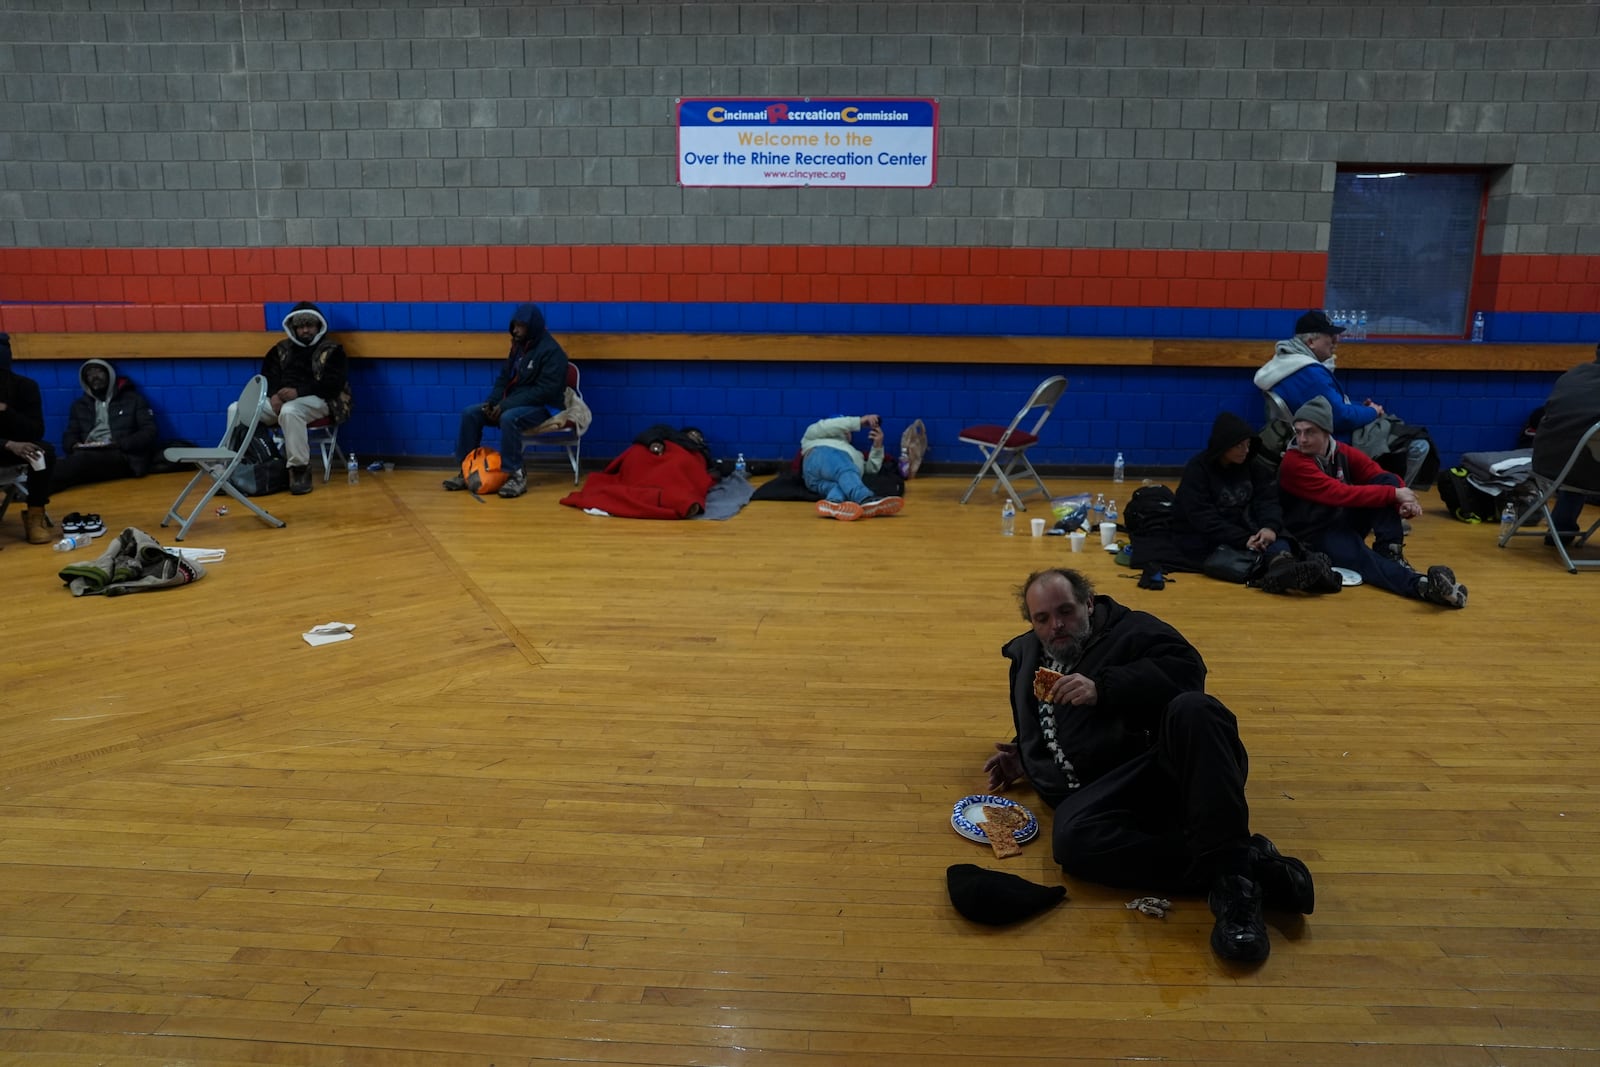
[[36, 461], [1108, 534], [1037, 526], [1078, 537]]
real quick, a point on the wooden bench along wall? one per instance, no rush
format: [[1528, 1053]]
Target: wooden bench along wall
[[828, 348]]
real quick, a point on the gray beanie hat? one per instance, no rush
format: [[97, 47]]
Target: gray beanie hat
[[1318, 412]]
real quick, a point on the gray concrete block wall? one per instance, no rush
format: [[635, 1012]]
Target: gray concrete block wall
[[1158, 125]]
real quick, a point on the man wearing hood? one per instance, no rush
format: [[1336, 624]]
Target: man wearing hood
[[1573, 407], [528, 390], [1144, 770], [1302, 367], [111, 430], [1333, 496], [307, 380], [22, 443], [1227, 499]]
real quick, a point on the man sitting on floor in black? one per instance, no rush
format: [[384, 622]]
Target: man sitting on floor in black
[[1145, 772], [111, 431]]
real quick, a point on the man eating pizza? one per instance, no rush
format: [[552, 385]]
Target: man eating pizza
[[1145, 772]]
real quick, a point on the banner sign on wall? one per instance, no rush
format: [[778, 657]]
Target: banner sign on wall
[[763, 142]]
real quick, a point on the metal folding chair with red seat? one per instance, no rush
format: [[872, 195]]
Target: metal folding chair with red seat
[[564, 431], [1005, 448]]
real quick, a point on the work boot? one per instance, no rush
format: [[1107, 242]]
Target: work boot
[[1240, 933], [515, 485], [36, 526], [299, 480]]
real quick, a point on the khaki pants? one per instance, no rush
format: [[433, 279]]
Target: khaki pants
[[292, 419]]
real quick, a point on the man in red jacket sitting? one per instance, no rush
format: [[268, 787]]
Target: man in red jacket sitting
[[1333, 496]]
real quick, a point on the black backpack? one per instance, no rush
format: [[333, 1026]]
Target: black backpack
[[261, 470], [1149, 511], [1465, 501]]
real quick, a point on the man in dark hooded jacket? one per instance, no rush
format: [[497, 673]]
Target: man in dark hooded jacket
[[1573, 407], [22, 444], [1145, 771], [528, 390], [307, 379], [111, 431]]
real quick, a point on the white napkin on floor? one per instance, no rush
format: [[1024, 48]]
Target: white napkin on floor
[[328, 633]]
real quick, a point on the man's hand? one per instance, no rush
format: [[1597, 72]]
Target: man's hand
[[1004, 767], [1074, 689], [491, 412], [23, 449], [1374, 405], [876, 433], [870, 422], [286, 394], [1260, 540]]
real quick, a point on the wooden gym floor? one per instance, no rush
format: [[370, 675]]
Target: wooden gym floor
[[616, 792]]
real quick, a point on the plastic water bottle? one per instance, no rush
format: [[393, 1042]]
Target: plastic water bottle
[[1111, 511], [1008, 519], [1508, 520], [71, 541], [1361, 326], [352, 470], [1477, 326], [1099, 503], [1118, 469], [738, 465]]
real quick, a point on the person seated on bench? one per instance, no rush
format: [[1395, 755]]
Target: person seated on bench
[[307, 380], [111, 431], [832, 468], [530, 388]]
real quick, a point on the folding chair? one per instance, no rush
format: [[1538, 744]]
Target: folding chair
[[1012, 443], [1548, 488], [13, 486], [563, 431], [218, 463], [324, 433]]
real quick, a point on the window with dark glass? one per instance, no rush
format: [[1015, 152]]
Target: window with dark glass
[[1401, 248]]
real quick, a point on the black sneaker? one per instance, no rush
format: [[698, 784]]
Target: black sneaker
[[1393, 550], [72, 523], [93, 525], [1240, 933], [299, 481], [1285, 882], [1439, 586]]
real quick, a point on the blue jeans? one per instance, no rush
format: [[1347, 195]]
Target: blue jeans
[[832, 475], [1345, 542], [512, 422]]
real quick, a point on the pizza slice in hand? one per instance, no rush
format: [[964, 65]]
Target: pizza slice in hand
[[1044, 680]]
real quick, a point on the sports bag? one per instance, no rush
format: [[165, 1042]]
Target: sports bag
[[261, 470], [1149, 511], [1464, 500], [481, 471]]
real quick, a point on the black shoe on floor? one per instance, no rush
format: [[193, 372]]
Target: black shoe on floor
[[1285, 882], [1439, 586], [299, 480], [93, 524], [1240, 933]]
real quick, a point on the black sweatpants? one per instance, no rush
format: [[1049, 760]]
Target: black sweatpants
[[39, 482], [90, 465], [1172, 817]]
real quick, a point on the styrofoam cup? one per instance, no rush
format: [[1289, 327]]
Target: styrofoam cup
[[1037, 526], [1078, 537], [1108, 534]]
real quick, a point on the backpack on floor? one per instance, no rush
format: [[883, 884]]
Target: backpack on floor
[[481, 471], [1464, 500], [261, 470], [1149, 511]]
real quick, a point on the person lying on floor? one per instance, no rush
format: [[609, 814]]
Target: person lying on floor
[[832, 468]]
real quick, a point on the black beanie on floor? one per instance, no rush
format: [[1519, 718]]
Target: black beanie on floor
[[996, 898]]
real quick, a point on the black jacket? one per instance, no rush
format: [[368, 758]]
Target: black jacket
[[535, 371], [1573, 407], [316, 369], [1138, 663], [1225, 505], [129, 417]]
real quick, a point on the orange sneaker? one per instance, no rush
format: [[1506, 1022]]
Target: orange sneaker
[[844, 510], [883, 505]]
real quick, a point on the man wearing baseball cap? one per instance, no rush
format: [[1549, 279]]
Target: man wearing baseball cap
[[1302, 366]]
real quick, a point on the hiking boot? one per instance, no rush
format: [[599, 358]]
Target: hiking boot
[[843, 510], [1439, 586], [882, 506], [455, 483], [1393, 550], [1285, 882], [36, 526], [1240, 933], [515, 485]]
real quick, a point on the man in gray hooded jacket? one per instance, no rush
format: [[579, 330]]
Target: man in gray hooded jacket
[[111, 431]]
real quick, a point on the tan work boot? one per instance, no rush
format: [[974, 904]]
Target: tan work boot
[[36, 526]]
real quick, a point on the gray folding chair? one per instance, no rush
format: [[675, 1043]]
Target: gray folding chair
[[566, 435], [1562, 483], [1010, 444], [218, 463], [13, 486]]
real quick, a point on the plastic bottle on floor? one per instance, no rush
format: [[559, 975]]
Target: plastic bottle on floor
[[352, 470], [1118, 470], [1008, 519], [71, 541]]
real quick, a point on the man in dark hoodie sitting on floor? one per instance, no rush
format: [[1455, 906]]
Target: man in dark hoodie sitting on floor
[[529, 389], [111, 431]]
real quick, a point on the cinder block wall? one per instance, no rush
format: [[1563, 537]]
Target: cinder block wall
[[459, 136]]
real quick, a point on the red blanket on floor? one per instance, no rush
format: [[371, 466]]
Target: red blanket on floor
[[639, 484]]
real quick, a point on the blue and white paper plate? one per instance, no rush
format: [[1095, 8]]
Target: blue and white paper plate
[[967, 818]]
